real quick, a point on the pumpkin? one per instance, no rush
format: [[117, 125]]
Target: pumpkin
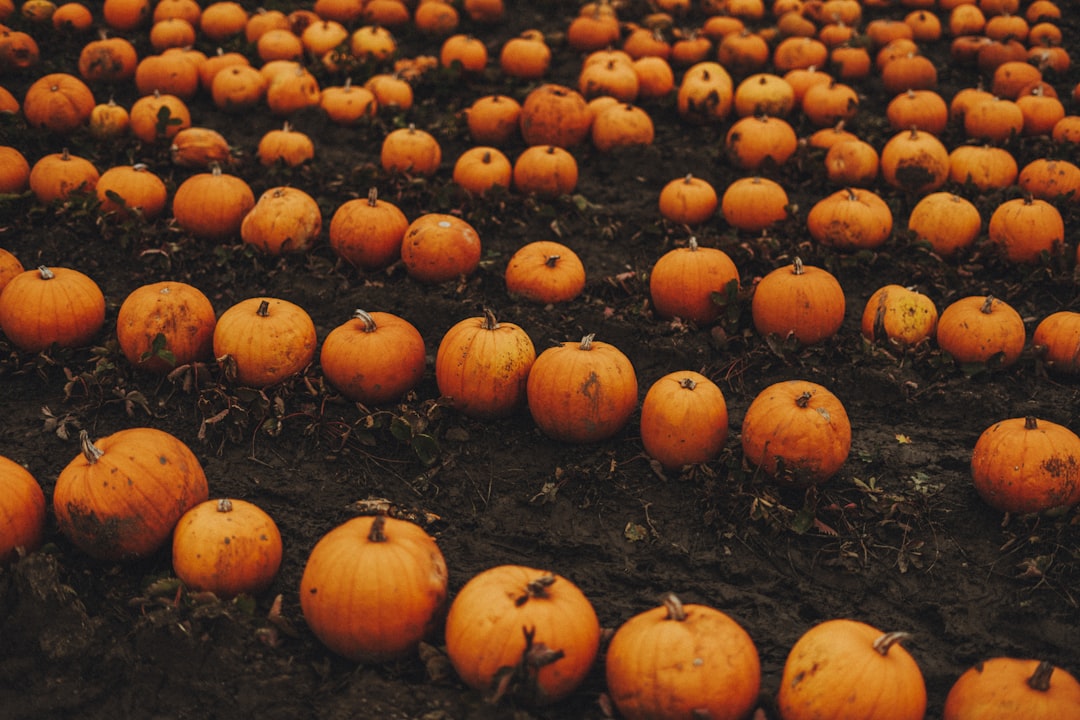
[[283, 220], [582, 392], [371, 42], [14, 171], [799, 301], [984, 166], [981, 329], [126, 15], [754, 203], [915, 161], [1057, 339], [622, 126], [212, 205], [688, 200], [227, 547], [556, 115], [517, 627], [1024, 229], [684, 420], [267, 340], [22, 511], [108, 59], [546, 171], [466, 52], [237, 88], [846, 668], [481, 168], [438, 247], [392, 92], [692, 283], [367, 233], [850, 219], [185, 9], [993, 120], [1025, 465], [158, 117], [131, 189], [493, 119], [796, 431], [656, 79], [437, 18], [545, 271], [348, 104], [373, 587], [593, 30], [168, 74], [171, 33], [743, 52], [388, 13], [898, 315], [827, 103], [58, 176], [1051, 180], [755, 140], [199, 147], [764, 94], [220, 61], [924, 110], [109, 120], [682, 660], [947, 222], [10, 266], [374, 357], [58, 102], [44, 306], [482, 366], [1005, 687], [121, 497], [222, 20], [286, 146], [852, 163], [611, 74], [164, 325], [410, 150], [526, 57], [290, 91], [72, 17]]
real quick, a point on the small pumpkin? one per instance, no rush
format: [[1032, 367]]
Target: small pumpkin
[[622, 126], [108, 59], [799, 301], [1025, 229], [752, 204], [1056, 338], [545, 271], [410, 150], [546, 171], [14, 171], [47, 306], [348, 104], [482, 168], [109, 120], [850, 219], [553, 114], [1024, 465], [22, 511], [899, 315], [438, 247], [200, 147], [286, 145], [796, 431], [1004, 688], [526, 57], [238, 87], [852, 163], [755, 140], [515, 625], [692, 283], [164, 325], [684, 420], [582, 392], [915, 161], [212, 205], [367, 232], [682, 660], [374, 357], [283, 220], [981, 329], [947, 222], [58, 176], [373, 587], [127, 190], [688, 200], [846, 668], [121, 497], [1051, 180], [10, 266], [227, 547], [267, 340], [158, 117], [984, 166], [705, 94]]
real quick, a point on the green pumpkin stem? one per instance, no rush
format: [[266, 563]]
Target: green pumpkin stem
[[1040, 679], [886, 641]]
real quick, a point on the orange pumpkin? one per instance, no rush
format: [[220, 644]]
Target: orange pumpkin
[[267, 340], [981, 329], [44, 306], [481, 168], [109, 120], [157, 117], [852, 162], [545, 271], [799, 301], [526, 57], [1051, 180], [394, 607], [58, 102], [283, 220], [545, 170], [899, 315], [14, 171], [373, 358], [705, 94], [22, 511], [984, 166], [915, 161], [693, 283], [164, 325], [947, 222], [755, 140], [108, 59], [121, 497], [554, 114], [410, 150], [1004, 688], [689, 200], [286, 146], [846, 668], [622, 126], [199, 147], [1025, 229], [796, 431], [482, 366], [438, 247], [681, 660], [582, 392], [1024, 465], [1057, 339], [515, 625], [367, 232], [684, 420], [58, 176], [227, 547], [128, 190], [850, 219], [212, 205], [10, 266]]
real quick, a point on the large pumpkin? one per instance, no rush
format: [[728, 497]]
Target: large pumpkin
[[51, 305], [847, 669], [515, 627], [483, 366], [798, 431], [373, 358], [121, 497], [164, 325], [1025, 465], [1005, 688], [266, 339], [684, 420], [582, 392], [22, 510], [682, 661], [373, 587]]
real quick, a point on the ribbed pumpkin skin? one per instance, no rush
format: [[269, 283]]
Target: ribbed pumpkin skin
[[179, 312], [799, 300], [67, 309], [374, 362], [977, 329], [900, 315], [658, 667], [684, 420], [1059, 333], [485, 630], [998, 689], [483, 365], [266, 348], [833, 671], [373, 601], [1024, 465], [22, 510], [683, 281], [125, 504]]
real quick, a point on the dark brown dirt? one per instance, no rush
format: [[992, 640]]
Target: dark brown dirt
[[898, 539]]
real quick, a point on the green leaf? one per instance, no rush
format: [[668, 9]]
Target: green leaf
[[426, 449]]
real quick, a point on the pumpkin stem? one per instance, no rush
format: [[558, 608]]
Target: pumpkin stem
[[224, 505], [851, 194], [692, 244], [264, 309], [1030, 423], [988, 305], [45, 273], [586, 342], [796, 267], [675, 609], [1040, 679], [689, 178], [373, 197], [886, 641], [687, 383], [804, 399], [552, 260], [536, 589], [377, 534], [215, 168], [90, 451], [365, 317], [489, 321]]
